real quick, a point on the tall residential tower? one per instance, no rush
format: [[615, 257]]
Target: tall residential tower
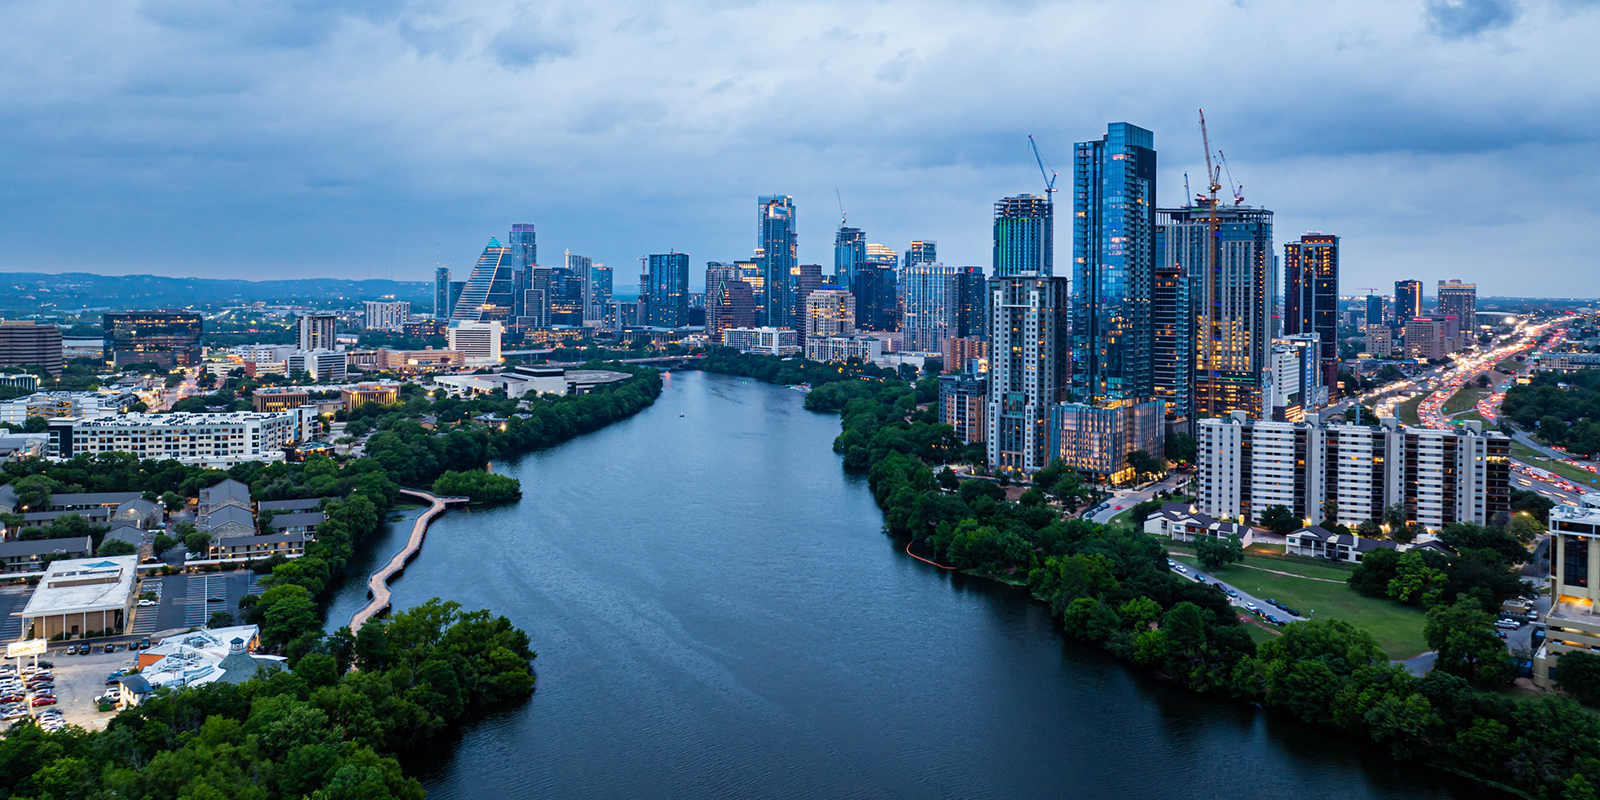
[[779, 257]]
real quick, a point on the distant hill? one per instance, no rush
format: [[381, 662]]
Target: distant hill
[[41, 293]]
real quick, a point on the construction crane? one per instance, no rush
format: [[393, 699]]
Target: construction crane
[[1369, 289], [1236, 191], [840, 197], [1186, 192], [1212, 173], [1049, 177]]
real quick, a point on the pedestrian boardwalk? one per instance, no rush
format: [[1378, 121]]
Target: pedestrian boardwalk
[[378, 584]]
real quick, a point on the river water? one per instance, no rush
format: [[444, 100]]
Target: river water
[[718, 615]]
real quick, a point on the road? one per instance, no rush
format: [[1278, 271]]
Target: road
[[1244, 599], [1124, 499]]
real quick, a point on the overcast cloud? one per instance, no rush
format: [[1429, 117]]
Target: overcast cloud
[[304, 138]]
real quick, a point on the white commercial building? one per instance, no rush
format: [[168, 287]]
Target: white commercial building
[[89, 405], [211, 440], [263, 353], [477, 342], [387, 315], [1440, 477], [317, 332], [80, 596], [767, 341], [1297, 377], [865, 349], [321, 365]]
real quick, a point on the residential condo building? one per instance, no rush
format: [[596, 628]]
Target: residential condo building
[[1311, 296]]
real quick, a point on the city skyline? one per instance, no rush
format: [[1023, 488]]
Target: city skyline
[[587, 134]]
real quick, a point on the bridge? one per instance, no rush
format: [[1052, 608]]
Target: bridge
[[378, 583], [652, 361]]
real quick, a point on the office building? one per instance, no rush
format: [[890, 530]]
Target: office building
[[1572, 623], [1113, 248], [165, 338], [830, 311], [562, 295], [730, 301], [964, 404], [47, 405], [580, 274], [1460, 300], [1407, 302], [1440, 477], [412, 362], [441, 293], [535, 310], [321, 365], [765, 340], [922, 252], [271, 399], [524, 244], [1028, 368], [1172, 342], [1311, 296], [930, 295], [388, 315], [849, 252], [29, 344], [1297, 377], [1096, 439], [668, 290], [76, 596], [1374, 309], [778, 243], [960, 352], [1427, 339], [477, 342], [317, 332], [876, 298], [1233, 290], [599, 293], [806, 278], [490, 293], [844, 348], [354, 397], [456, 288], [1380, 341], [1024, 231], [972, 302]]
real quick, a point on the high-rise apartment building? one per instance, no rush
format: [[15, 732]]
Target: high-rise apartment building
[[491, 288], [922, 252], [961, 351], [29, 344], [1311, 296], [964, 404], [1298, 385], [441, 293], [167, 338], [876, 298], [1427, 339], [1233, 290], [387, 315], [580, 274], [1172, 342], [1028, 368], [778, 243], [1440, 477], [599, 292], [1113, 250], [972, 302], [849, 252], [1024, 236], [1379, 341], [830, 311], [668, 289], [317, 332], [1573, 623], [806, 279], [524, 257], [1460, 300], [1374, 309], [931, 293], [1407, 301]]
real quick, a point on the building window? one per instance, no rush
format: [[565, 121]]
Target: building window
[[1575, 561]]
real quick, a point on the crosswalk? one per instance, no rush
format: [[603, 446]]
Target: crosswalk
[[145, 617]]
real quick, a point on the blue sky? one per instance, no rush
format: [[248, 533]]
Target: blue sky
[[1441, 138]]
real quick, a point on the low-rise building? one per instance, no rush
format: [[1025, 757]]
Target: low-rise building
[[31, 556], [289, 506], [1181, 522], [219, 440], [354, 397], [843, 348], [81, 597], [199, 657], [298, 522], [477, 342], [321, 365], [412, 362], [766, 341], [227, 492], [48, 405], [538, 379], [279, 398], [1096, 439], [258, 548]]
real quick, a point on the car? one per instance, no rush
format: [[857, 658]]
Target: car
[[1292, 612], [42, 700], [146, 603], [1501, 634], [1271, 602], [45, 664], [111, 647], [216, 599], [1274, 620], [1251, 607], [14, 714], [144, 644], [1231, 592], [1171, 563], [1533, 616], [112, 678], [1508, 624]]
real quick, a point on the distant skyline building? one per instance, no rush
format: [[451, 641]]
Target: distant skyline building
[[779, 244], [668, 290], [1311, 297], [386, 315], [730, 300], [24, 343], [317, 332], [600, 292], [1172, 342], [1024, 236], [1460, 300], [580, 271], [1233, 291], [972, 303], [931, 293], [875, 293], [807, 278], [1298, 385], [922, 252], [1113, 246], [1029, 368], [849, 251], [441, 292], [490, 289], [524, 257], [1374, 309], [1407, 302], [830, 311]]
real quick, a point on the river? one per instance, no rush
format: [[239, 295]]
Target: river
[[718, 615]]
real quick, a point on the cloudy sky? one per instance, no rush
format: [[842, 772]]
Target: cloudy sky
[[302, 138]]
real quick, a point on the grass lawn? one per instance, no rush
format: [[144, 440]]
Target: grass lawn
[[1510, 367], [1122, 517], [1397, 628], [1522, 452], [1408, 410], [1466, 397]]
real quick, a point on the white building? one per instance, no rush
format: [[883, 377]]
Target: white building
[[830, 311], [81, 595], [767, 341], [323, 366], [89, 405], [1439, 476], [477, 342], [865, 349], [211, 440], [1298, 386], [263, 353], [387, 315], [317, 332]]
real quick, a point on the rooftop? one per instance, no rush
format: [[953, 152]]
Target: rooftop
[[44, 547], [83, 584], [304, 504]]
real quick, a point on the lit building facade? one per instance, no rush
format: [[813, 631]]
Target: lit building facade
[[1172, 330], [960, 351], [766, 340], [830, 311], [1024, 236], [167, 338], [668, 291], [1407, 301], [779, 256], [387, 315], [844, 348], [1297, 377], [1573, 623], [490, 292], [849, 252], [1096, 439], [964, 404], [1311, 296], [1460, 300], [931, 292], [1028, 368], [477, 342], [29, 344]]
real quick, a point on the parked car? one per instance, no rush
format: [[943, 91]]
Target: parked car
[[43, 700], [1251, 607], [111, 648], [146, 603], [217, 599], [144, 644], [45, 664], [1508, 624]]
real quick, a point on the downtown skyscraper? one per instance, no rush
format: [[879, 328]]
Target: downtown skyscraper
[[1407, 302], [1311, 297], [849, 253], [779, 257], [524, 257], [441, 293], [1024, 236], [488, 295], [668, 290]]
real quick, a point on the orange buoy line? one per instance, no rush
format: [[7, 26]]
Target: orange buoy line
[[924, 560]]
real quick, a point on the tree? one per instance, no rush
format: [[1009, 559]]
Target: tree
[[948, 480], [173, 501], [1408, 533], [1181, 448], [1524, 527], [1578, 674], [372, 649], [1279, 519], [1370, 530], [1143, 463], [1216, 552], [1483, 381], [1415, 581], [197, 542], [162, 543], [33, 492], [220, 619], [1394, 516], [116, 547], [1463, 636]]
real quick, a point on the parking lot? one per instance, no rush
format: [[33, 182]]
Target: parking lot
[[188, 600], [80, 679]]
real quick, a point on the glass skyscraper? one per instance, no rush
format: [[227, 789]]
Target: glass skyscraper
[[849, 252], [922, 252], [1024, 236], [779, 257], [1311, 297], [441, 293], [1374, 309], [488, 294], [1407, 302], [1172, 328], [524, 256], [1113, 244], [668, 292]]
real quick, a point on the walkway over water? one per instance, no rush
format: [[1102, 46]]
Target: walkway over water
[[378, 584]]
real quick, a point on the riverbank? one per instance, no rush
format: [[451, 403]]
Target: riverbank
[[1325, 672]]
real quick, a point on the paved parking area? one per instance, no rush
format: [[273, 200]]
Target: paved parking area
[[185, 600], [80, 679], [13, 599]]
